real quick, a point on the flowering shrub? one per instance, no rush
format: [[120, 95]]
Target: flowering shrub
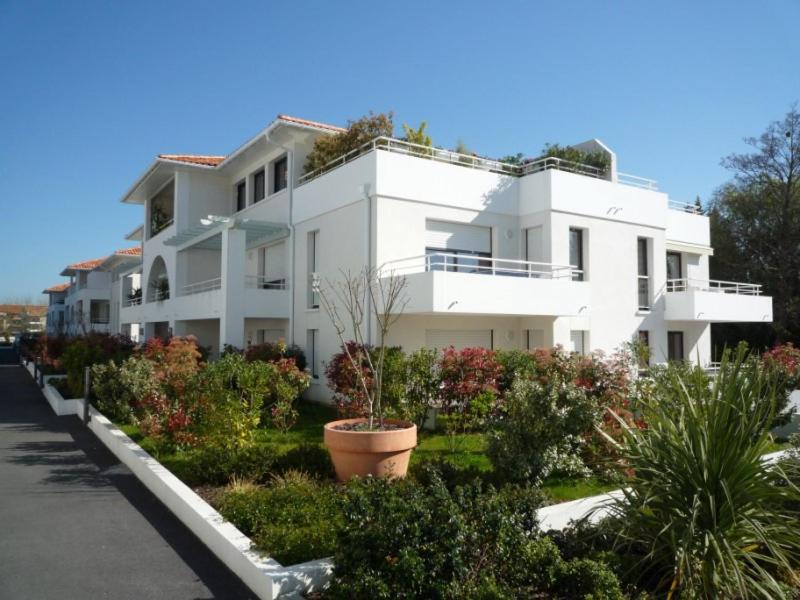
[[784, 361], [89, 350], [469, 391], [275, 351]]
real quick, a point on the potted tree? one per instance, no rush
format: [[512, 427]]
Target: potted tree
[[370, 444]]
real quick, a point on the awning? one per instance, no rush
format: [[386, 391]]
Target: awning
[[689, 248], [208, 234]]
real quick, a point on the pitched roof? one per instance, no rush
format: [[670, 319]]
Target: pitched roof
[[135, 251], [300, 121], [59, 287], [86, 265], [194, 159]]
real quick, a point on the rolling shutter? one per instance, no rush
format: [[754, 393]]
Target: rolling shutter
[[534, 244], [458, 236], [458, 338]]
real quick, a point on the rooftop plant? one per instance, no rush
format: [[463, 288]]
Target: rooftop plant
[[598, 159]]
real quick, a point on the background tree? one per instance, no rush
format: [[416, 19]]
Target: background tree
[[755, 230]]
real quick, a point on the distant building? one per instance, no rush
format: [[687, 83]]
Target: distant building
[[19, 318]]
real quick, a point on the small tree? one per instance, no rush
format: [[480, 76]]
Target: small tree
[[417, 136], [350, 303]]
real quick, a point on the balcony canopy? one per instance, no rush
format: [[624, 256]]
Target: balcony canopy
[[208, 234]]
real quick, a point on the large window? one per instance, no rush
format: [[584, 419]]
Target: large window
[[674, 272], [643, 275], [259, 185], [280, 172], [675, 345], [644, 349], [272, 266], [459, 247], [576, 253], [241, 196], [577, 341]]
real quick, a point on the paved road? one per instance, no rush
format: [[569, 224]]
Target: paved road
[[76, 524]]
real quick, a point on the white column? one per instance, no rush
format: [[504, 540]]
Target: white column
[[231, 321]]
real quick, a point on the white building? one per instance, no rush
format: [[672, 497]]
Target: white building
[[496, 255], [56, 313], [87, 306]]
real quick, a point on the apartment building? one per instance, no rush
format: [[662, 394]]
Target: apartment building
[[56, 308], [498, 255]]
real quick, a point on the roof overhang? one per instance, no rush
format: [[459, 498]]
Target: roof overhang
[[136, 235], [689, 248], [120, 260], [208, 234]]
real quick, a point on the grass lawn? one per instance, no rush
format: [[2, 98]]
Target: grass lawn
[[468, 451]]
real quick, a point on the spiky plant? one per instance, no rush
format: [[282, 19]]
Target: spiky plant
[[704, 517]]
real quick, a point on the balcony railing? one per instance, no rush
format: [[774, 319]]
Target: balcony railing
[[99, 320], [263, 282], [474, 162], [461, 263], [686, 207], [712, 285], [133, 301], [199, 287]]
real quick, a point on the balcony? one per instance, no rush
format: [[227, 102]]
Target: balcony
[[454, 284], [716, 302]]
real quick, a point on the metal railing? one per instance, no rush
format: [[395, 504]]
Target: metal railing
[[643, 291], [133, 301], [199, 287], [551, 162], [465, 263], [636, 181], [263, 282], [687, 207], [711, 285], [155, 230]]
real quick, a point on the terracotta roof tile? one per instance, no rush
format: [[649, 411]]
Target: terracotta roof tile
[[135, 251], [59, 287], [310, 123], [194, 159], [87, 265], [30, 309]]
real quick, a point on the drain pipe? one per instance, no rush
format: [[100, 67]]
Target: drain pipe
[[290, 181]]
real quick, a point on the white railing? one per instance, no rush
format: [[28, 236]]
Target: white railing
[[636, 181], [551, 162], [465, 263], [199, 287], [712, 285], [686, 207], [262, 282], [133, 301]]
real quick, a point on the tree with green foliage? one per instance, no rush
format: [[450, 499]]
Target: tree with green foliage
[[329, 147], [598, 159], [755, 229], [417, 136]]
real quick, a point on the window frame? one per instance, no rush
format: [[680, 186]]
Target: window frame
[[579, 270], [240, 185], [281, 161], [679, 335], [262, 174]]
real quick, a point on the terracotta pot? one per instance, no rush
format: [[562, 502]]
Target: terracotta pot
[[376, 453]]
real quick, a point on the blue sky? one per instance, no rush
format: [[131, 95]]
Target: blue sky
[[90, 91]]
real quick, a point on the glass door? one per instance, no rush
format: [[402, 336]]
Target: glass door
[[674, 271]]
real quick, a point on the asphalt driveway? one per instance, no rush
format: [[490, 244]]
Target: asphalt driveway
[[76, 524]]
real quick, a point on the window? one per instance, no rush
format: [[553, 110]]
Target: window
[[644, 349], [675, 345], [312, 351], [259, 187], [674, 272], [577, 341], [313, 265], [643, 276], [268, 335], [457, 247], [535, 339], [272, 267], [576, 253], [241, 196], [280, 172]]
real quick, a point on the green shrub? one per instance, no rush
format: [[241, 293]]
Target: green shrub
[[703, 516], [217, 465], [275, 351], [307, 457], [599, 159], [294, 519], [541, 431], [421, 386], [110, 394], [406, 540]]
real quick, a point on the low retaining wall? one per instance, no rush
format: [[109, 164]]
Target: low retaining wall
[[267, 578]]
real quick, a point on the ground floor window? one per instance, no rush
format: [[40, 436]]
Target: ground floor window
[[535, 339], [268, 335], [675, 345], [577, 341], [643, 350]]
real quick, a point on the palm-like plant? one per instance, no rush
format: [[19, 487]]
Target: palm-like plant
[[703, 514]]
